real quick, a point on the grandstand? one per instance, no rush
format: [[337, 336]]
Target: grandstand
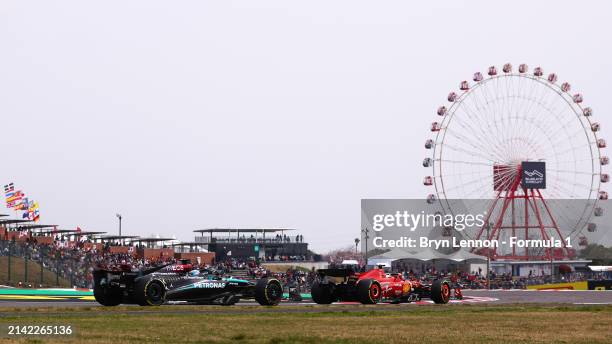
[[71, 255], [269, 244]]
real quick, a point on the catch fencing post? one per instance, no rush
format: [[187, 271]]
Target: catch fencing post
[[57, 265], [9, 261], [25, 268], [42, 254]]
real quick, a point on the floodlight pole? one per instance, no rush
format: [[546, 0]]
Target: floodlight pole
[[119, 217]]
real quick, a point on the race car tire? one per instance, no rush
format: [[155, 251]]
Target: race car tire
[[151, 292], [107, 296], [369, 291], [268, 291], [323, 293], [440, 291]]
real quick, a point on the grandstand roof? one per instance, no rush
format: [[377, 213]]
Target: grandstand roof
[[191, 243], [57, 231], [151, 239], [65, 231], [243, 230], [47, 229], [112, 237], [91, 232], [3, 215], [11, 221], [35, 226]]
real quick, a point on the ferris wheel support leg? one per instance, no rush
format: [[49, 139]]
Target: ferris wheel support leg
[[554, 223], [513, 227], [488, 217], [508, 199], [498, 224], [541, 224], [526, 196]]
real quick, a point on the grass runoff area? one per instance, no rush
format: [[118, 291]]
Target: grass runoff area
[[319, 324]]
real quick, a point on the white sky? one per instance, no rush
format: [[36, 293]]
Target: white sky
[[193, 114]]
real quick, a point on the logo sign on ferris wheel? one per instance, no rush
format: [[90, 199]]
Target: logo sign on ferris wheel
[[534, 174]]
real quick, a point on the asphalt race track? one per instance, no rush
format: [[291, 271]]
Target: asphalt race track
[[586, 297]]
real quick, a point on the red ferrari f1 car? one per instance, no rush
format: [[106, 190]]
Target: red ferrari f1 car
[[345, 284]]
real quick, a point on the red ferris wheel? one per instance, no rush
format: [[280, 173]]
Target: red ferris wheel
[[525, 150]]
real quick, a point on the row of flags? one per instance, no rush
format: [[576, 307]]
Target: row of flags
[[18, 201]]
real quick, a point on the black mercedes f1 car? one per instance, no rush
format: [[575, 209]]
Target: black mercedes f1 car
[[179, 282]]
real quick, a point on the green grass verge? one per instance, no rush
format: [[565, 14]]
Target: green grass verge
[[320, 324]]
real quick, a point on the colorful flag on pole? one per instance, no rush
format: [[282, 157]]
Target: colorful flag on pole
[[17, 201], [35, 216], [33, 211], [9, 187], [22, 204], [32, 205], [17, 195]]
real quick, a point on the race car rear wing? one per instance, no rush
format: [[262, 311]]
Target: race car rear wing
[[142, 272], [336, 272]]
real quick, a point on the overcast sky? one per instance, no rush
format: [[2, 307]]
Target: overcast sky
[[194, 114]]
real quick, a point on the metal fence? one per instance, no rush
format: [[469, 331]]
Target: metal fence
[[23, 264]]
